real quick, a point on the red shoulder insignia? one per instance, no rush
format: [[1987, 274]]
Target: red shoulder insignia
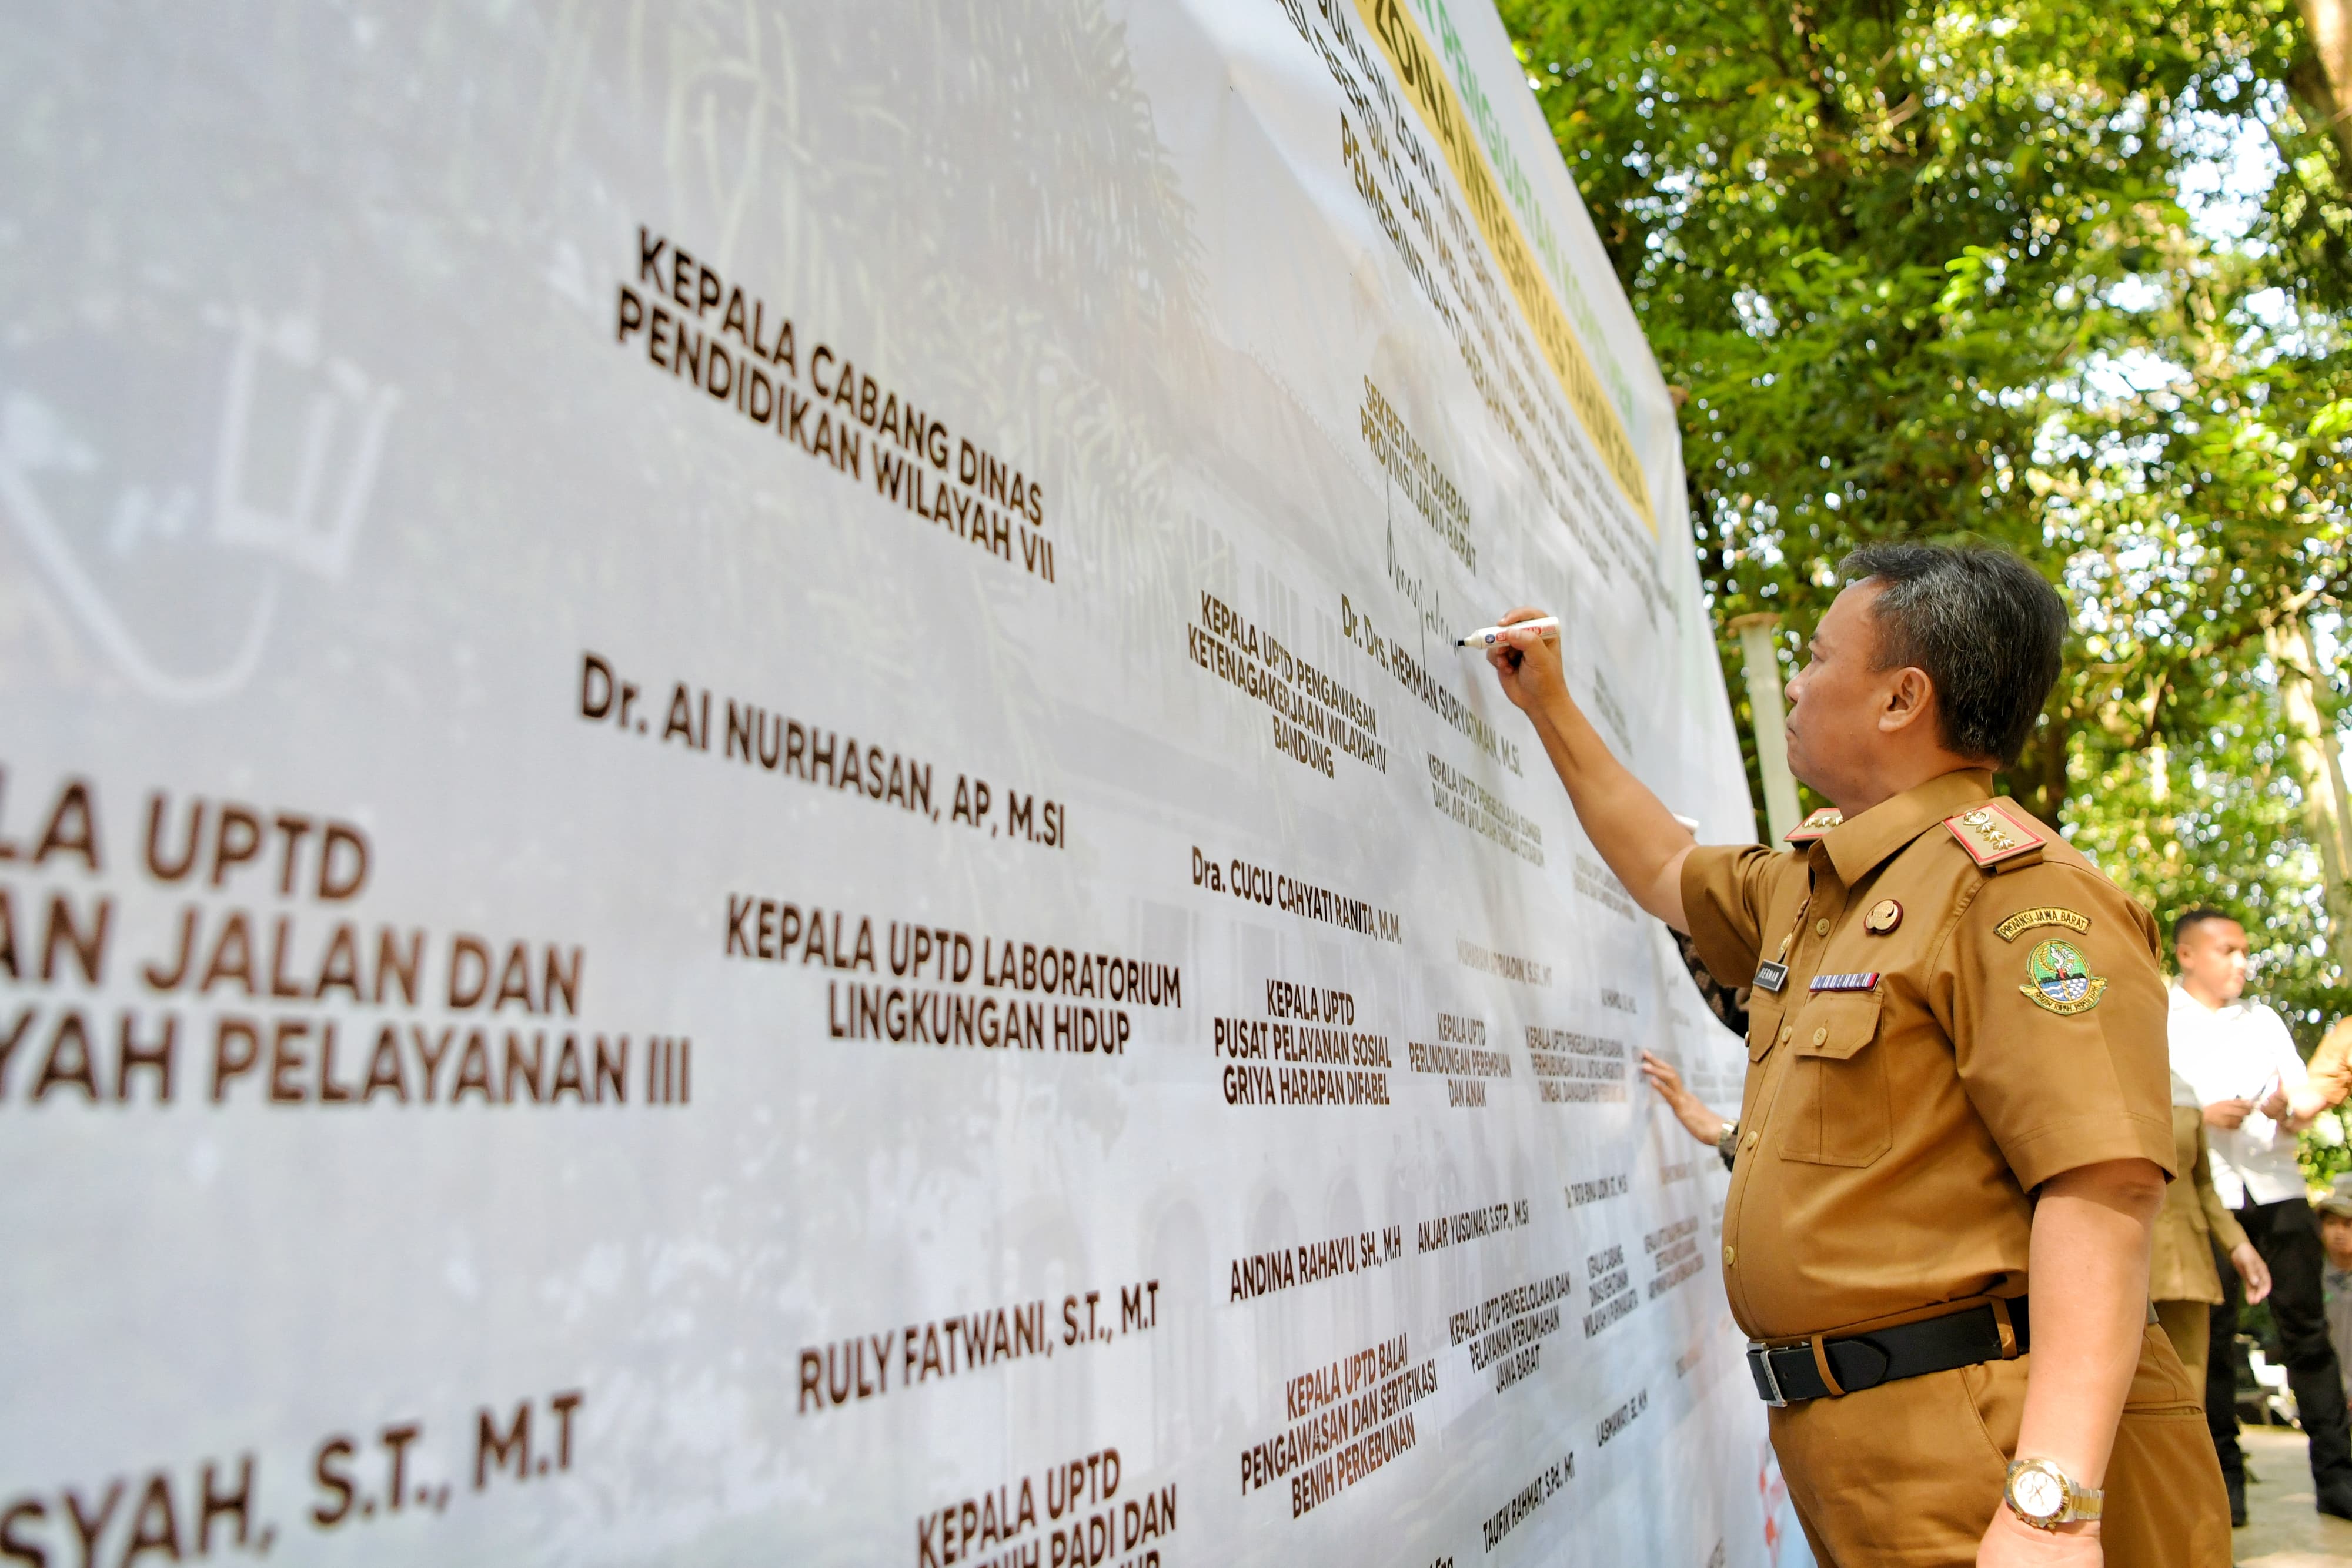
[[1816, 826], [1997, 832]]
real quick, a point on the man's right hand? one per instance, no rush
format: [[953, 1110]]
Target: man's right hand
[[2252, 1270], [2227, 1115], [1637, 837], [1528, 667]]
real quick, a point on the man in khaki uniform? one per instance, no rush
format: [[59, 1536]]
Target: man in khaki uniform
[[2194, 1228], [1956, 1128]]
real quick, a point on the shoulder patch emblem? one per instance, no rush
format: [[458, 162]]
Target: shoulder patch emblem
[[2027, 919], [1816, 826], [2061, 978], [1992, 834]]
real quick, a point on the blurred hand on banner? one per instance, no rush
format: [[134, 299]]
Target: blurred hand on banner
[[1693, 1113]]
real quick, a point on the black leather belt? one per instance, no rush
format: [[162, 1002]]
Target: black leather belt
[[1786, 1373]]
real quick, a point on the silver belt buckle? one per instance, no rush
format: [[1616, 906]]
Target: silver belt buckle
[[1768, 1381]]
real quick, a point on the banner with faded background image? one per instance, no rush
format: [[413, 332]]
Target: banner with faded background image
[[736, 826]]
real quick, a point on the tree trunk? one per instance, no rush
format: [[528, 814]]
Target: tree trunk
[[2319, 756], [2329, 24], [2163, 827]]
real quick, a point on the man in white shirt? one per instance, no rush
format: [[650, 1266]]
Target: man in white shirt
[[2246, 1070]]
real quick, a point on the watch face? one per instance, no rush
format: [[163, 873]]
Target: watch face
[[2038, 1494]]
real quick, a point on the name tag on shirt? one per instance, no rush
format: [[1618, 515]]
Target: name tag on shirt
[[1865, 982], [1770, 977]]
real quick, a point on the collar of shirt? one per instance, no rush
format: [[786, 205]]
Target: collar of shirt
[[1859, 845], [2182, 1002]]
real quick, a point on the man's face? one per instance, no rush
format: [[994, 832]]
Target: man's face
[[1834, 702], [2212, 958], [2335, 1235]]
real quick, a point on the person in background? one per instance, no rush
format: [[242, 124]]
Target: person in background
[[1699, 1119], [2246, 1072], [2336, 1275], [1729, 1006], [1727, 1003], [2329, 1076], [2193, 1229]]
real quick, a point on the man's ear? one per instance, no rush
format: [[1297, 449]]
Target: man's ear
[[1910, 699]]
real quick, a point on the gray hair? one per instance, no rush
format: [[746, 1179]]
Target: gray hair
[[1985, 627]]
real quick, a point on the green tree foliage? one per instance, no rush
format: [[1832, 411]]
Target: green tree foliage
[[1955, 272]]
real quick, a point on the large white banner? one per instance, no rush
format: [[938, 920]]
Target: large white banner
[[736, 825]]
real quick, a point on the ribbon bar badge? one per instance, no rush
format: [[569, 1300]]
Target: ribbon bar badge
[[1866, 982]]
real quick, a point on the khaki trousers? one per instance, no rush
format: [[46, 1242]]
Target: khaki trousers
[[2189, 1327], [1907, 1475]]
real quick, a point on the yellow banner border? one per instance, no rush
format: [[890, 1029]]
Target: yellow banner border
[[1433, 99]]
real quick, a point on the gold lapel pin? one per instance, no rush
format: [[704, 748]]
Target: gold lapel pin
[[1884, 917]]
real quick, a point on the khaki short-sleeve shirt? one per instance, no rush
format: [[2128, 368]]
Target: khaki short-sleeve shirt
[[1948, 1037], [2191, 1223]]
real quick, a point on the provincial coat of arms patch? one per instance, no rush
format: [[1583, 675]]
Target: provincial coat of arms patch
[[2061, 978]]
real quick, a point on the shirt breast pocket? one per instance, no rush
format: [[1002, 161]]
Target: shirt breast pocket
[[1836, 1108]]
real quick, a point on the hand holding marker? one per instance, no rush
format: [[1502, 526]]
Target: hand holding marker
[[1548, 628], [1488, 636]]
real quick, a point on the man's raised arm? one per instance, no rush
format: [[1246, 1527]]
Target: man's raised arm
[[1631, 828]]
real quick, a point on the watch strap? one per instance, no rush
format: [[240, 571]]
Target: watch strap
[[2080, 1504]]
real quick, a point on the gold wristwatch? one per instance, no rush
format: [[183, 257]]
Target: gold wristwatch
[[2040, 1493]]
